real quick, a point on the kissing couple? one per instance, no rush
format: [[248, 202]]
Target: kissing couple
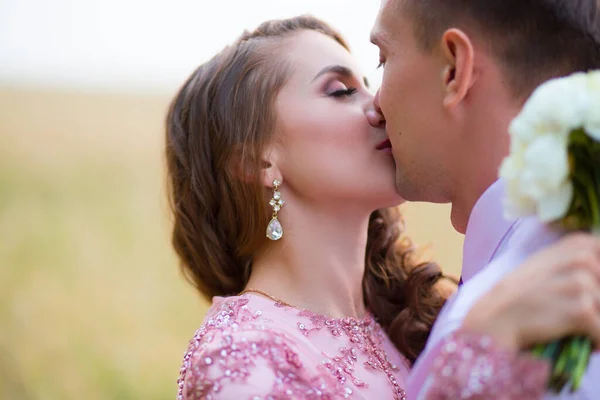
[[285, 174]]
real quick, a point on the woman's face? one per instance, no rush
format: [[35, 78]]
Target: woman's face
[[331, 146]]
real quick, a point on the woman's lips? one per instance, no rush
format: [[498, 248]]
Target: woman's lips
[[385, 145]]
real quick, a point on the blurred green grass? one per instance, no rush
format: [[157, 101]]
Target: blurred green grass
[[91, 302]]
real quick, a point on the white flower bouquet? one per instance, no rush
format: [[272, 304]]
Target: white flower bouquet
[[553, 172]]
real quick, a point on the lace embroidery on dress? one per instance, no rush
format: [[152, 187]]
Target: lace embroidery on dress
[[472, 367], [365, 336], [223, 352]]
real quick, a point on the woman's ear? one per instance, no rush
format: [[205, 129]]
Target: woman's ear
[[270, 170], [245, 168]]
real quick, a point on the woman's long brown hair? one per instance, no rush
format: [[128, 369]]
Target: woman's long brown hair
[[216, 128]]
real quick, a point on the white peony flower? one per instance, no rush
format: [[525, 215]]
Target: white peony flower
[[545, 167], [522, 129], [515, 204], [556, 203], [537, 171], [592, 121], [537, 175], [537, 179], [554, 108]]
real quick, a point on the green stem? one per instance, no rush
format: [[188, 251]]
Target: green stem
[[551, 351], [583, 360], [561, 362], [573, 357], [538, 350], [570, 356], [594, 205]]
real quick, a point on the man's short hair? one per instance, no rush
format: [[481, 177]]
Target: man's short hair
[[534, 40]]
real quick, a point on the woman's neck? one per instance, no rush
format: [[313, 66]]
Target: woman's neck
[[318, 264]]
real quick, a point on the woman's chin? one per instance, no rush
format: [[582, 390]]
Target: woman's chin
[[391, 200]]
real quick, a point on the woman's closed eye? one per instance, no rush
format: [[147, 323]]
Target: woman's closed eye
[[343, 92], [338, 89]]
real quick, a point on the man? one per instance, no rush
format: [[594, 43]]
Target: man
[[456, 72]]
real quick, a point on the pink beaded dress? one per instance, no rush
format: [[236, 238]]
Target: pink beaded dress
[[251, 347]]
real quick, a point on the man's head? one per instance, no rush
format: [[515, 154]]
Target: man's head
[[457, 71]]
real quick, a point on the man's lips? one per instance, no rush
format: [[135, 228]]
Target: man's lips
[[386, 144]]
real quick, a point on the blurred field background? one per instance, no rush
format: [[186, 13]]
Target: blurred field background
[[92, 305]]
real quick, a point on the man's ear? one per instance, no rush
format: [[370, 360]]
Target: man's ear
[[459, 56]]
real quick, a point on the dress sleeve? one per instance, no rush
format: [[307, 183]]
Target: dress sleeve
[[251, 365], [471, 366]]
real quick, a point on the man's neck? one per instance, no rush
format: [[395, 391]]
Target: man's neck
[[465, 200], [491, 108], [487, 231], [484, 149]]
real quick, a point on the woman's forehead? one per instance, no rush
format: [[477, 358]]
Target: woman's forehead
[[309, 52]]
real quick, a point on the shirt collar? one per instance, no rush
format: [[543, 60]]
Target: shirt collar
[[486, 230]]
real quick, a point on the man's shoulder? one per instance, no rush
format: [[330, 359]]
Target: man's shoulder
[[529, 236]]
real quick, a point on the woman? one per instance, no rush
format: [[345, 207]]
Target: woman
[[277, 135]]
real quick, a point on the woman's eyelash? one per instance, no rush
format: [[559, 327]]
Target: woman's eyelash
[[343, 92], [381, 64]]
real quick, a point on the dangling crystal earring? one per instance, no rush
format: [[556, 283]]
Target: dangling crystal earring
[[274, 229]]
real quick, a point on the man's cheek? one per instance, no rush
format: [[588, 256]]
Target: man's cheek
[[384, 100]]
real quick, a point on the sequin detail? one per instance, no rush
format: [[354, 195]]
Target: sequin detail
[[473, 367], [241, 352], [231, 354], [365, 336]]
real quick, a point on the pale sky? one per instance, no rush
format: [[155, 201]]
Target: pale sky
[[149, 45]]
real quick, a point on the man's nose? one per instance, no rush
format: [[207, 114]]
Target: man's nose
[[374, 114], [376, 101]]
